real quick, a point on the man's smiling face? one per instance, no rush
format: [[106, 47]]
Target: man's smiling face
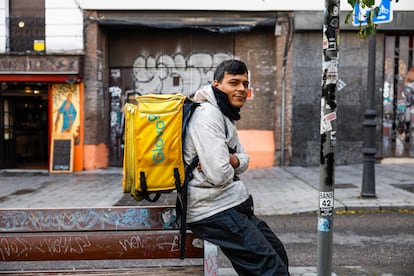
[[235, 86]]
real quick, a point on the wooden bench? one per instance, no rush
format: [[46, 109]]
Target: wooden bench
[[139, 239]]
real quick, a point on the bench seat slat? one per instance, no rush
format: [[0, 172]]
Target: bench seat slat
[[159, 271], [87, 219], [96, 246]]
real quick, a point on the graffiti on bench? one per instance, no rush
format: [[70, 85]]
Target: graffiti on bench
[[87, 219], [95, 246], [92, 234]]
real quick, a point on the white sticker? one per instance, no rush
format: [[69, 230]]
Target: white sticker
[[326, 200], [326, 122], [325, 126]]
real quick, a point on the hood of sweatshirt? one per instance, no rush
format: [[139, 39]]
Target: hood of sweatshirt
[[206, 94]]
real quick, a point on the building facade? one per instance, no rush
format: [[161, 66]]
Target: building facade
[[94, 56], [41, 63]]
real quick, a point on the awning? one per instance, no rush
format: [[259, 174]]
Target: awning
[[220, 22]]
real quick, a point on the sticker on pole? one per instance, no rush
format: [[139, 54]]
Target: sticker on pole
[[326, 120], [324, 224], [360, 16], [326, 204]]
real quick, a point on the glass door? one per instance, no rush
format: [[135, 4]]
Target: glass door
[[9, 135], [24, 136]]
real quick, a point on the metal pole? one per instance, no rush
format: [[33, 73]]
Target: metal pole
[[328, 136], [282, 130], [369, 150]]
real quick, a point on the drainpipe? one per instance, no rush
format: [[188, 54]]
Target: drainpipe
[[282, 117], [283, 84]]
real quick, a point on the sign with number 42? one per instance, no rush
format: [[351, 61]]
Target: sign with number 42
[[326, 200], [326, 203]]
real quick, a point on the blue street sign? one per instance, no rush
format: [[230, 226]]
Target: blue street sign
[[384, 14]]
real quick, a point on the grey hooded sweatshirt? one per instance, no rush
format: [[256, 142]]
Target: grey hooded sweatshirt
[[213, 188]]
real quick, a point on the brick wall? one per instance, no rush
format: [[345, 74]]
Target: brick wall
[[257, 50], [96, 112], [263, 52]]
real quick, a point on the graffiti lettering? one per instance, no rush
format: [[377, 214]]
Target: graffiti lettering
[[20, 247], [85, 219], [67, 244], [149, 244], [156, 74]]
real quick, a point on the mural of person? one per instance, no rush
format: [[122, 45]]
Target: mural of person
[[68, 113]]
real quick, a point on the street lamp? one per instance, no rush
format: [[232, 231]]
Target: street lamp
[[369, 150]]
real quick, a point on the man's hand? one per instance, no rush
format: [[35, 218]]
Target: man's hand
[[234, 161]]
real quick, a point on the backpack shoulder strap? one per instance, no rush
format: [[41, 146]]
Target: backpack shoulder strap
[[181, 203]]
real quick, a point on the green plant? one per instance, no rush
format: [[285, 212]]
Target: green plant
[[370, 27]]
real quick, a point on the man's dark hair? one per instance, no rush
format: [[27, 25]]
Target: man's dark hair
[[232, 67]]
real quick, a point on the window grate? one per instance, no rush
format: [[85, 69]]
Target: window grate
[[27, 35]]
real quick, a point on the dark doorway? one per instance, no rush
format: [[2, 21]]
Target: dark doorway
[[25, 120]]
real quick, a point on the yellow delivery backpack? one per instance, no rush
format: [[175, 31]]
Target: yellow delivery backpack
[[153, 151]]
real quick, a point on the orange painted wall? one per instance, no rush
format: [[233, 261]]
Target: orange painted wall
[[78, 149], [260, 146], [96, 156]]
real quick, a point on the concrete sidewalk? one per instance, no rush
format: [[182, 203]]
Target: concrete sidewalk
[[276, 191]]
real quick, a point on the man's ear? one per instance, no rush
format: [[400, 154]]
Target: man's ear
[[215, 83]]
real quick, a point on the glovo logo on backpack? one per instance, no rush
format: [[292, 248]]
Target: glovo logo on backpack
[[158, 155]]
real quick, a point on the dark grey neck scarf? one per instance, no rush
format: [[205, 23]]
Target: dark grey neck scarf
[[232, 112]]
